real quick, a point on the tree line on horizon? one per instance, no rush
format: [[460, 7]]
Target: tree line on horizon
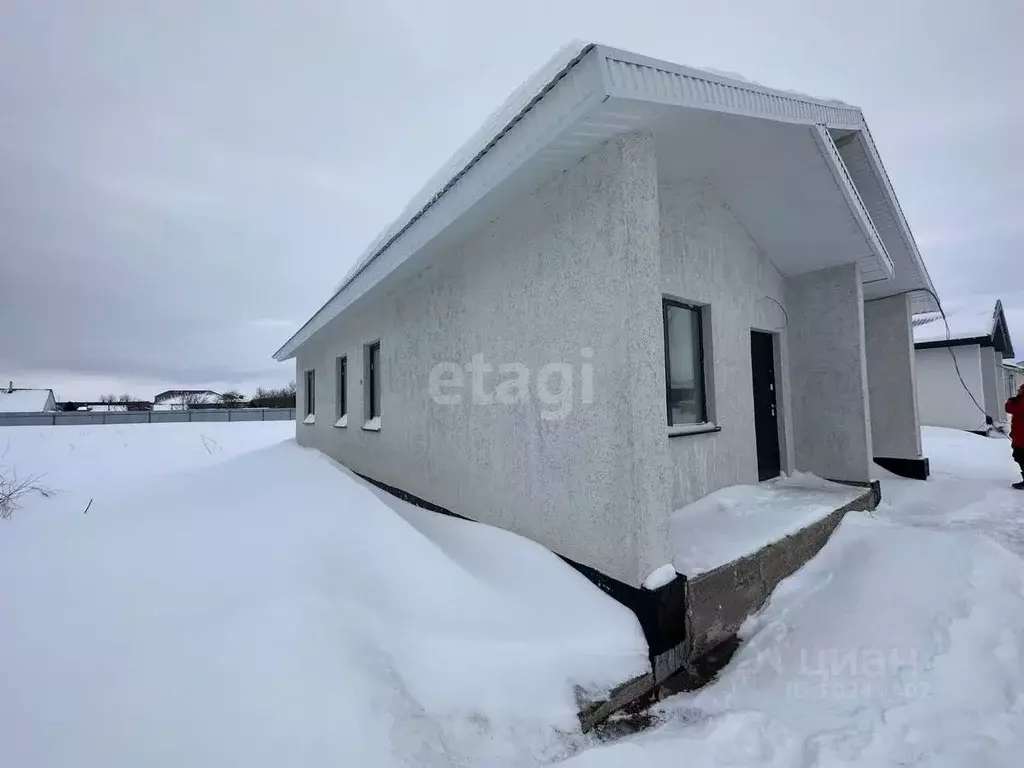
[[263, 397]]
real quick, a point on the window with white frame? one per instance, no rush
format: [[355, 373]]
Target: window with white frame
[[341, 374], [684, 364], [310, 392], [371, 378]]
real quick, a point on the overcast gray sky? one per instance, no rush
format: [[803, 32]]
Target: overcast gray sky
[[183, 183]]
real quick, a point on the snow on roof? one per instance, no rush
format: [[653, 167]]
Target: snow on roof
[[716, 88], [24, 400], [972, 317], [977, 317], [458, 163], [966, 323], [172, 393], [733, 75]]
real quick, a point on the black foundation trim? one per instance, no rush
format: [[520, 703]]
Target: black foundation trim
[[916, 469], [981, 341], [416, 501], [661, 612]]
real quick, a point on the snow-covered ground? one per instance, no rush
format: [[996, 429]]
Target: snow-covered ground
[[270, 609], [232, 599], [901, 644]]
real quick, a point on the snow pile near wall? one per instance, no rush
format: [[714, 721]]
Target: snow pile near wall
[[735, 522], [901, 644], [271, 609]]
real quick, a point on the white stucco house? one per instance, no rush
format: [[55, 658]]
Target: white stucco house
[[639, 283], [961, 380]]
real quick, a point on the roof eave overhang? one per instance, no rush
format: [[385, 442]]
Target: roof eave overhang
[[595, 74], [928, 302], [1001, 332]]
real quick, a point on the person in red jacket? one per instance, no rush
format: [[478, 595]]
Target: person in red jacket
[[1015, 407]]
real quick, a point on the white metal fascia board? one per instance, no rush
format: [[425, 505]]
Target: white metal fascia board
[[631, 76], [908, 237], [562, 101], [1001, 325], [618, 73], [830, 152]]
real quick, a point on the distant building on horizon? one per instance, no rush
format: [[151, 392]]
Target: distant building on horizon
[[26, 400], [183, 399]]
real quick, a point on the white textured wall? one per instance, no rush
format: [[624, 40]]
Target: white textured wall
[[828, 374], [574, 265], [942, 399], [1013, 380], [1001, 391], [892, 388], [708, 258], [990, 384]]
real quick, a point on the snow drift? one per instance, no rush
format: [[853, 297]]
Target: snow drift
[[220, 607], [272, 609]]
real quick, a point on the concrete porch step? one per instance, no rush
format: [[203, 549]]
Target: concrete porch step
[[711, 608]]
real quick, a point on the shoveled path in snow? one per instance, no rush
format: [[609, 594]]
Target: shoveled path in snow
[[969, 490]]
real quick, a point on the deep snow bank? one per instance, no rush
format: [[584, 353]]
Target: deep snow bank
[[273, 610]]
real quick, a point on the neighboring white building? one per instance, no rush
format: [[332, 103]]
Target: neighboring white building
[[961, 380], [17, 400], [638, 284], [1014, 375]]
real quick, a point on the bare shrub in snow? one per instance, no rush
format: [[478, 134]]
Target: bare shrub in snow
[[192, 399], [13, 489]]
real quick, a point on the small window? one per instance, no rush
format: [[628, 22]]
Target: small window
[[372, 384], [342, 384], [684, 364], [310, 392]]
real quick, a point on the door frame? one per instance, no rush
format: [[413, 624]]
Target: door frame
[[781, 392]]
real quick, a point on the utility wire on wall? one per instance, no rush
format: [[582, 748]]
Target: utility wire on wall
[[949, 335], [785, 314]]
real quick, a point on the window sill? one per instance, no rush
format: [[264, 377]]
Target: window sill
[[693, 429], [310, 419], [342, 422], [373, 425]]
